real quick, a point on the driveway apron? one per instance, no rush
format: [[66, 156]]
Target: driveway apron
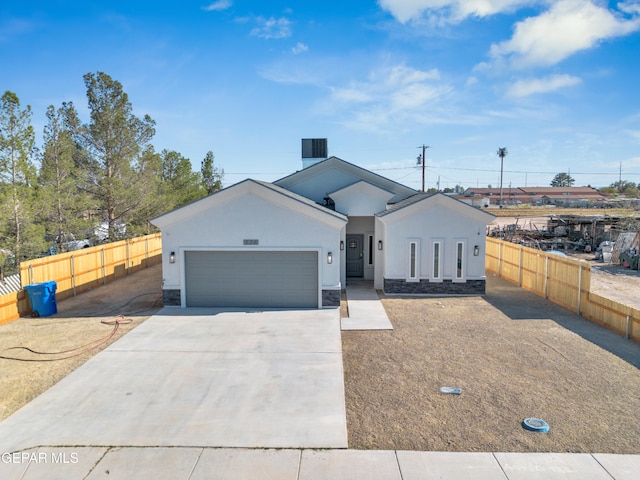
[[200, 377]]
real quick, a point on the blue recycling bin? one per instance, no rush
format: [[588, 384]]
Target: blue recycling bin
[[43, 298]]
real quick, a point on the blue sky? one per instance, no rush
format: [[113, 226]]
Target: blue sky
[[554, 81]]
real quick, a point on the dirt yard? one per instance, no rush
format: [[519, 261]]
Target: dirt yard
[[77, 323], [513, 355], [616, 283]]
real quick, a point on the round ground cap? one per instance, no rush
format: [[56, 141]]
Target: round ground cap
[[535, 425]]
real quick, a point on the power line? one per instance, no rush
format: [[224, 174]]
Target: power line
[[496, 170]]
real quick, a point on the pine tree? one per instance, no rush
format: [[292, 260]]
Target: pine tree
[[178, 178], [115, 140], [562, 180], [63, 208], [20, 237], [211, 176]]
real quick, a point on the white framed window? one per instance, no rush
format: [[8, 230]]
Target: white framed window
[[370, 250], [436, 260], [413, 261], [460, 259]]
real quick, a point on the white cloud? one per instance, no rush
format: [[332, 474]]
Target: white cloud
[[298, 73], [524, 88], [562, 29], [630, 7], [402, 75], [217, 6], [399, 87], [299, 48], [569, 26], [485, 8], [452, 10], [272, 28], [392, 95]]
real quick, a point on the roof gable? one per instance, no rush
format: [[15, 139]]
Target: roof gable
[[249, 186], [361, 199], [333, 174], [419, 201]]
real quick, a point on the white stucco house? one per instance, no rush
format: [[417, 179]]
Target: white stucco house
[[296, 242]]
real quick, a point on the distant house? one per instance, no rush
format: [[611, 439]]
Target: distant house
[[296, 242], [560, 196]]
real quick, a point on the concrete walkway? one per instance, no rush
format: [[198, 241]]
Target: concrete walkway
[[365, 309], [205, 378], [117, 463]]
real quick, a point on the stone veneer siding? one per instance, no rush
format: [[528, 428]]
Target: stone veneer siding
[[425, 287], [330, 298], [171, 298]]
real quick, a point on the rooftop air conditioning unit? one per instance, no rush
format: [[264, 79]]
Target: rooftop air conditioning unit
[[313, 151]]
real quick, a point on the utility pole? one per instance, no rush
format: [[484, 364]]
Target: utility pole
[[502, 152], [620, 175], [422, 160]]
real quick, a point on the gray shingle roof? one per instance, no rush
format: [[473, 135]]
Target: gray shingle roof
[[405, 203], [299, 198]]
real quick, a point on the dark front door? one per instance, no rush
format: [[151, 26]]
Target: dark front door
[[355, 255]]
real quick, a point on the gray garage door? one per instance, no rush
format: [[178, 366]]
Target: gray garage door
[[251, 279]]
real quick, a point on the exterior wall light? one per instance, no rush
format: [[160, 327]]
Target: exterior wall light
[[476, 251], [172, 257], [379, 244], [329, 258], [341, 244]]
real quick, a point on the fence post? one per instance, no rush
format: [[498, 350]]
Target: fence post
[[128, 258], [146, 252], [30, 273], [628, 329], [520, 267], [104, 270], [499, 259], [546, 276], [579, 287], [73, 274]]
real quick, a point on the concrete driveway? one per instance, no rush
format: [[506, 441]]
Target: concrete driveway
[[197, 377]]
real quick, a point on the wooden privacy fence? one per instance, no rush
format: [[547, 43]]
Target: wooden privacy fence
[[81, 270], [561, 280]]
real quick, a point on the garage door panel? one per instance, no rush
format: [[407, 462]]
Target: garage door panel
[[251, 279]]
